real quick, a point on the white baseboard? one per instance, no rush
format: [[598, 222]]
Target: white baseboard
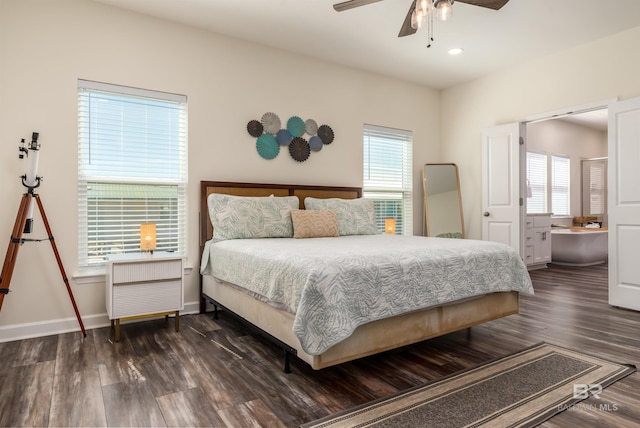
[[66, 325]]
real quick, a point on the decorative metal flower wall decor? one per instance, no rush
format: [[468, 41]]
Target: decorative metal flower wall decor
[[270, 135]]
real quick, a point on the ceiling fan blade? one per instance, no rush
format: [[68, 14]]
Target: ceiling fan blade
[[407, 29], [345, 5], [491, 4]]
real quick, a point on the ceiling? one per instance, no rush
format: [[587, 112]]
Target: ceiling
[[366, 37], [595, 119]]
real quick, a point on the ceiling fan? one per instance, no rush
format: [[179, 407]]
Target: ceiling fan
[[413, 20]]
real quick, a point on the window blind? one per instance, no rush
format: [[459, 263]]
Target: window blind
[[560, 202], [387, 175], [537, 181], [594, 179], [132, 169]]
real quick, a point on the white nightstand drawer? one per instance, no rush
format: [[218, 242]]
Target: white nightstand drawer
[[146, 271], [147, 298]]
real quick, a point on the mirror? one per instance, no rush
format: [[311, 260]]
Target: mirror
[[442, 200]]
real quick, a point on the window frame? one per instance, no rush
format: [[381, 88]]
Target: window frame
[[538, 202], [392, 193], [560, 189], [594, 188], [135, 189], [547, 182]]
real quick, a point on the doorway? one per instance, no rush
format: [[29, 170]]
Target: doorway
[[569, 140], [503, 146], [565, 173]]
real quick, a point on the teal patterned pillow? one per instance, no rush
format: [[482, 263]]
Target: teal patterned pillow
[[355, 216], [238, 217]]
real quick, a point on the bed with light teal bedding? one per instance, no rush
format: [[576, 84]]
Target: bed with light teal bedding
[[333, 285]]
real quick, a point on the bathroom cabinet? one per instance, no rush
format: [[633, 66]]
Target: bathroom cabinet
[[538, 240]]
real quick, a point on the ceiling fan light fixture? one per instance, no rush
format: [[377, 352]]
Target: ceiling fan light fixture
[[417, 19], [444, 9], [424, 6]]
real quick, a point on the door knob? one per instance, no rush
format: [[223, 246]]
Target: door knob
[[486, 213]]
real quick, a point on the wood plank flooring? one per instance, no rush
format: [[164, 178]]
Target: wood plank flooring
[[219, 374]]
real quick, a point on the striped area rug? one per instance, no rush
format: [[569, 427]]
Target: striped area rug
[[520, 390]]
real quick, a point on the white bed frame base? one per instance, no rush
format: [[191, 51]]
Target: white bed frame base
[[371, 338]]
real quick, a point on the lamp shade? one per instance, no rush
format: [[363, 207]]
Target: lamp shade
[[444, 10], [390, 226], [148, 237]]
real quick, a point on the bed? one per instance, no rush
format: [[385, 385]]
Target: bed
[[320, 322]]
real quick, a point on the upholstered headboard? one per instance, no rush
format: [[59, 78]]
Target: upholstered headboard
[[259, 189]]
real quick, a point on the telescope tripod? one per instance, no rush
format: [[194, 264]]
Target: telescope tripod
[[17, 240]]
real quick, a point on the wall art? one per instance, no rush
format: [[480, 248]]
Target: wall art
[[270, 135]]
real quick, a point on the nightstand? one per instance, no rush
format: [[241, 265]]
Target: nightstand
[[142, 285]]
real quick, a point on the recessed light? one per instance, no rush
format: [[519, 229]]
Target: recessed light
[[455, 51]]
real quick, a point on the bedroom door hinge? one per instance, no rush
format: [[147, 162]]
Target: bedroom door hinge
[[521, 201], [521, 141]]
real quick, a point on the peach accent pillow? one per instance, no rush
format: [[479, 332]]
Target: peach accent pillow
[[314, 224]]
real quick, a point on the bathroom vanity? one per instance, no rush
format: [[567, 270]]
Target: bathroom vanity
[[538, 240]]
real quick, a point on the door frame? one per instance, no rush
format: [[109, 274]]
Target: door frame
[[554, 114], [557, 114]]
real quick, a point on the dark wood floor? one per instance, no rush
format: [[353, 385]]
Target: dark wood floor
[[218, 374]]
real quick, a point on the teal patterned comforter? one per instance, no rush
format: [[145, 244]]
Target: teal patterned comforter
[[333, 285]]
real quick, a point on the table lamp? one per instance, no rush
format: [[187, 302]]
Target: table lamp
[[390, 226], [148, 237]]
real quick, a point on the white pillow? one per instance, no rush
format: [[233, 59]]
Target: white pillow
[[242, 217], [355, 216]]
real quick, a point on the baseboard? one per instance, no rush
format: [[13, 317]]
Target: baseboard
[[66, 325]]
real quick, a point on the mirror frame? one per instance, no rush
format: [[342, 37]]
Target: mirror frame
[[426, 207]]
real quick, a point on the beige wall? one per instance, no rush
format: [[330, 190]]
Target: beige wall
[[46, 46], [595, 71]]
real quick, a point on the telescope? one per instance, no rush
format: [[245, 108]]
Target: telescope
[[30, 180], [24, 224]]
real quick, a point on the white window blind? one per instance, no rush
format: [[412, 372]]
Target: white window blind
[[560, 202], [537, 182], [132, 169], [388, 175], [594, 179]]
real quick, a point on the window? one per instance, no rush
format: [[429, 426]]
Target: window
[[541, 170], [560, 203], [594, 190], [537, 182], [132, 169], [387, 175]]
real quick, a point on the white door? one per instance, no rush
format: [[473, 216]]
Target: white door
[[502, 186], [624, 204]]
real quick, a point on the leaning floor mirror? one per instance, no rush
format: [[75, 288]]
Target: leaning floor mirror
[[442, 200]]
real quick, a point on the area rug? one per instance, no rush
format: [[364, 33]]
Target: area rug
[[520, 390]]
